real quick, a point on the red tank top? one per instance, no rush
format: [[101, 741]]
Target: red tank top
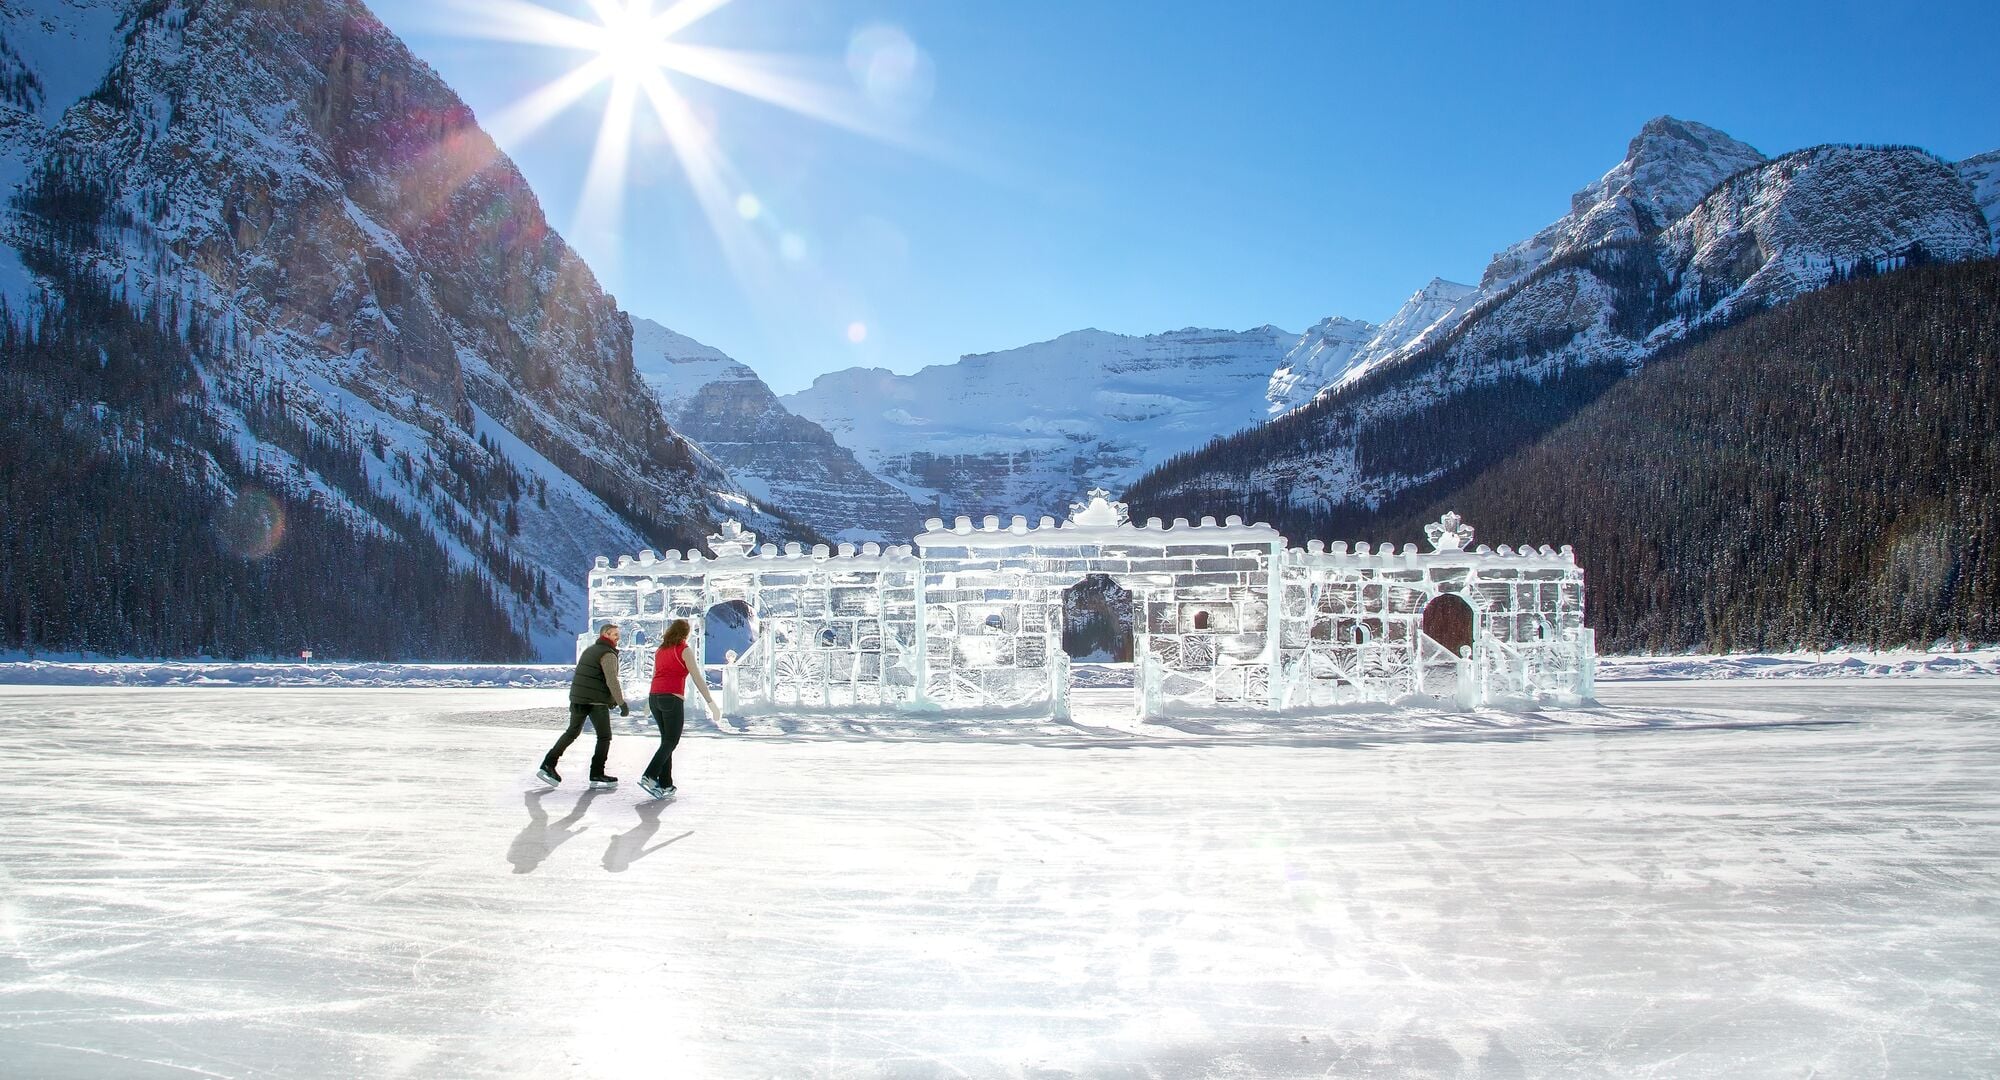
[[670, 670]]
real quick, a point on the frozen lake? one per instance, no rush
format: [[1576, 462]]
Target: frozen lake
[[1786, 880]]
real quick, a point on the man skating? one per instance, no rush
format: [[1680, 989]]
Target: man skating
[[592, 691]]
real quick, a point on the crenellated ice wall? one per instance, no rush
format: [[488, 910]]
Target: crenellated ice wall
[[1226, 616]]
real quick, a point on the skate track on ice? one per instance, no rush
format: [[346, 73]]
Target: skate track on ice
[[1790, 878]]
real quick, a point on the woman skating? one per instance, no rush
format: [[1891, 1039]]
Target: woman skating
[[667, 702]]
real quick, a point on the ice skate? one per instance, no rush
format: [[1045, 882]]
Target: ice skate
[[603, 781], [548, 776]]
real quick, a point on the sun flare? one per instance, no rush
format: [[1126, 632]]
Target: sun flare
[[632, 69], [630, 41]]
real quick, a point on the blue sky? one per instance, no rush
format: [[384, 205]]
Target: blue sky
[[1144, 166]]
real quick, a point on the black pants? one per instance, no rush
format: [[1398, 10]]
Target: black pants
[[670, 712], [600, 719]]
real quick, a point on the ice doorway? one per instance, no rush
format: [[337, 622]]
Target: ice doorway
[[1448, 621], [727, 632], [1097, 621]]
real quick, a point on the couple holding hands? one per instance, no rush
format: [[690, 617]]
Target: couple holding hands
[[595, 688]]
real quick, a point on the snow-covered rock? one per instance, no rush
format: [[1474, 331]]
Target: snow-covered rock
[[1327, 351], [678, 367], [1982, 175], [51, 55], [1339, 351], [1025, 430], [1668, 168], [779, 457], [1775, 231]]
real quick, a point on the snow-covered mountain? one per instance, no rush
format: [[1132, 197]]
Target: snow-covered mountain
[[1026, 430], [288, 179], [1668, 167], [1338, 351], [779, 457], [1633, 268], [1331, 347], [1772, 232]]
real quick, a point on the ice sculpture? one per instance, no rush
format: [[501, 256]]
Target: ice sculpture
[[1223, 616]]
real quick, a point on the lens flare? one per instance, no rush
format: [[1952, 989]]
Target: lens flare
[[253, 526], [891, 69]]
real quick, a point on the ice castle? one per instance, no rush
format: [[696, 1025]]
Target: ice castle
[[1223, 617]]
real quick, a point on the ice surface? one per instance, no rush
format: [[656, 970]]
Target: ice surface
[[1750, 880], [273, 674], [1844, 663]]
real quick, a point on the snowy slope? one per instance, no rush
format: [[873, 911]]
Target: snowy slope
[[678, 367], [1982, 175], [782, 458], [51, 54], [1028, 430], [1773, 232], [1339, 351], [1331, 348], [290, 178]]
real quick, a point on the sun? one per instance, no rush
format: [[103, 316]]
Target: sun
[[630, 42], [632, 60]]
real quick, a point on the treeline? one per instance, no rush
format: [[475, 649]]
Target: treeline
[[1442, 442], [1821, 473], [117, 534], [1098, 616]]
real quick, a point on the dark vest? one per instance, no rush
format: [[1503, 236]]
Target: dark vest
[[587, 686]]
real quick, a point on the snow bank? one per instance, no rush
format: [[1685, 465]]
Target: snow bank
[[189, 673], [1972, 663]]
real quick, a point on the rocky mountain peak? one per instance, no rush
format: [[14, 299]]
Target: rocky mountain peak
[[1438, 288], [1668, 167]]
